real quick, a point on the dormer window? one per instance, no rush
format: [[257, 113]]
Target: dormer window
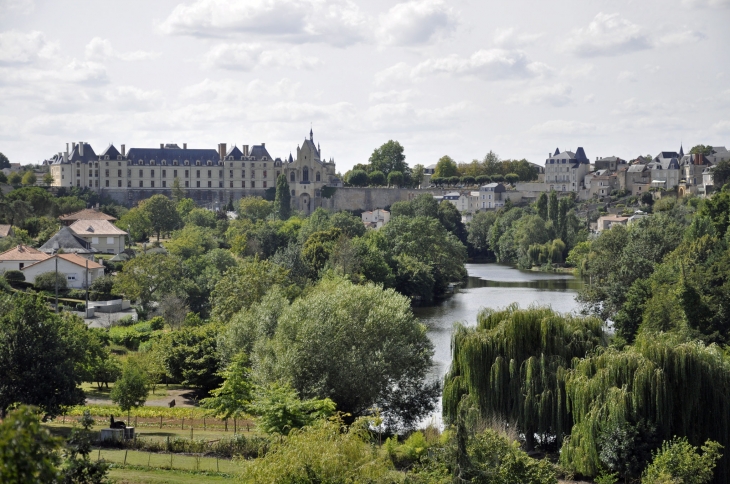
[[197, 162], [209, 163], [152, 162], [106, 157], [263, 158], [119, 157], [140, 162], [230, 158], [187, 162], [174, 162]]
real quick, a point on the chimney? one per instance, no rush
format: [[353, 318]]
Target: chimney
[[65, 157], [73, 145], [81, 148], [124, 150], [245, 150], [222, 150], [698, 159], [185, 146], [67, 148], [263, 145], [162, 145]]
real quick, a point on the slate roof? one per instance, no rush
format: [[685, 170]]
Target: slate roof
[[68, 241], [86, 214], [95, 227], [258, 152], [111, 152], [171, 154], [5, 230], [88, 155], [636, 168], [23, 252], [235, 153], [291, 159]]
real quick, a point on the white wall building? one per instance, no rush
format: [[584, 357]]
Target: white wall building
[[565, 171], [376, 218], [21, 256], [70, 265]]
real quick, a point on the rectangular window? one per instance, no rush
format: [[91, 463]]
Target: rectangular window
[[186, 173], [253, 174], [129, 184], [243, 184], [253, 184], [109, 240], [141, 184], [209, 173], [230, 173], [78, 172], [152, 184], [220, 173], [174, 173], [198, 182], [106, 172], [264, 184], [187, 184], [197, 173], [152, 172], [119, 183], [210, 184], [141, 174], [231, 183], [243, 173], [129, 172], [264, 173], [119, 173], [107, 184], [95, 240], [164, 173], [164, 184]]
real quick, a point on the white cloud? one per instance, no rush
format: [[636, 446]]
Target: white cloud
[[682, 37], [99, 49], [491, 65], [231, 91], [626, 76], [392, 96], [557, 95], [337, 22], [721, 127], [507, 38], [407, 117], [245, 57], [132, 98], [417, 22], [606, 35], [563, 127], [25, 48], [21, 6], [707, 3]]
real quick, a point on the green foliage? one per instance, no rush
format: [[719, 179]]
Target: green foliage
[[233, 397], [14, 276], [161, 213], [478, 230], [191, 241], [254, 208], [391, 344], [137, 224], [146, 277], [317, 249], [245, 284], [358, 178], [678, 461], [14, 178], [131, 336], [190, 356], [282, 200], [28, 452], [445, 167], [326, 452], [702, 150], [48, 281], [510, 364], [280, 411], [376, 178], [4, 161], [625, 448], [29, 178], [350, 225], [42, 354], [79, 468], [395, 179], [389, 158], [131, 389], [198, 216]]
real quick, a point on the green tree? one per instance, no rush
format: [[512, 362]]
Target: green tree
[[245, 284], [233, 397], [542, 206], [553, 207], [3, 177], [254, 208], [177, 191], [16, 212], [148, 277], [48, 179], [184, 206], [391, 343], [376, 178], [512, 178], [131, 389], [388, 158], [679, 461], [317, 249], [282, 200], [14, 178], [42, 355], [29, 178], [721, 173], [478, 231], [191, 357], [358, 178], [79, 468], [417, 175], [136, 223], [450, 218], [162, 214], [4, 162], [350, 225], [279, 409], [28, 452], [48, 281], [200, 217], [191, 241], [445, 167], [395, 178], [702, 150]]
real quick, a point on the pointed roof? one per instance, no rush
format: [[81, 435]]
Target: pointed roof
[[258, 152], [88, 155], [311, 134], [235, 153], [111, 152], [291, 159], [23, 252], [96, 228], [557, 152], [580, 155], [5, 230], [681, 150], [86, 214], [67, 241], [72, 258]]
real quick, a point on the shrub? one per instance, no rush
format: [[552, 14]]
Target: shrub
[[157, 323], [131, 336], [376, 178], [678, 461], [125, 321], [81, 307], [14, 276], [47, 281]]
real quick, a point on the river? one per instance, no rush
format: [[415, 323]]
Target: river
[[494, 286]]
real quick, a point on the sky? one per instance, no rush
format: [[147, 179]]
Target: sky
[[459, 78]]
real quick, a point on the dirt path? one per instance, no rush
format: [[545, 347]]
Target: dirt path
[[183, 398]]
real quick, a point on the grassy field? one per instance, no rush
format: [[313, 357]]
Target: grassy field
[[179, 462], [160, 476], [93, 391], [150, 429]]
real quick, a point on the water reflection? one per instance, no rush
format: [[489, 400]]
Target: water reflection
[[495, 286]]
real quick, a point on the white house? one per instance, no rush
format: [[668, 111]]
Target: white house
[[101, 234], [375, 219], [21, 256], [71, 265], [490, 196], [565, 171]]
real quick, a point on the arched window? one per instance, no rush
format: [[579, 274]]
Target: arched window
[[318, 178], [292, 176], [305, 174]]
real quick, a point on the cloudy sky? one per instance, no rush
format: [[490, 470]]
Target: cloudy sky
[[458, 77]]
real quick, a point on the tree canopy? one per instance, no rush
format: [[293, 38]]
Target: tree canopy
[[389, 158]]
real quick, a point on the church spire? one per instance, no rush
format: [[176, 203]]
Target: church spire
[[311, 135], [681, 150]]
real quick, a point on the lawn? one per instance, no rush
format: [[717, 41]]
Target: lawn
[[161, 476], [149, 429], [189, 463]]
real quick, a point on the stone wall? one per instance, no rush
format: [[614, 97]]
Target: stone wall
[[366, 199]]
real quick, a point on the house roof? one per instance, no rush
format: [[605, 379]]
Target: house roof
[[72, 258], [88, 155], [95, 227], [636, 168], [23, 252], [613, 218], [68, 241], [5, 230], [111, 152], [86, 214], [235, 152], [258, 152], [171, 154]]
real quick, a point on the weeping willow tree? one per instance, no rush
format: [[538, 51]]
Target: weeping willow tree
[[681, 388], [509, 367]]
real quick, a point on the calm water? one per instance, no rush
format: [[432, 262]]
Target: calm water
[[493, 286]]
